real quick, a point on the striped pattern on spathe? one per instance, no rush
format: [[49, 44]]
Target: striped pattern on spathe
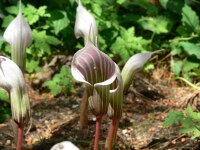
[[98, 72]]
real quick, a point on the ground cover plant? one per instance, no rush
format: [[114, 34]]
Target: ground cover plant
[[125, 28]]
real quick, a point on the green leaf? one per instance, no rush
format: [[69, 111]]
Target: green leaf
[[163, 3], [7, 20], [1, 42], [172, 5], [32, 66], [121, 1], [127, 44], [55, 89], [173, 118], [191, 48], [157, 25], [175, 50], [191, 123], [59, 20], [190, 65], [97, 9], [149, 67], [186, 122], [190, 18], [12, 10], [53, 40], [33, 14], [4, 96], [40, 43], [61, 82], [4, 116], [192, 114], [195, 132], [119, 48], [176, 67], [43, 42]]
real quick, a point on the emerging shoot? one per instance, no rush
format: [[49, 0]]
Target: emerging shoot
[[12, 80], [85, 21], [18, 34]]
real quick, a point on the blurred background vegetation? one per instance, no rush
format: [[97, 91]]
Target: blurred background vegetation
[[125, 27]]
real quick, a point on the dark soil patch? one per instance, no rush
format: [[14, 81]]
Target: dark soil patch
[[144, 110]]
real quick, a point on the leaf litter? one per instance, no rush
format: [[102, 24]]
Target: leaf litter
[[145, 107]]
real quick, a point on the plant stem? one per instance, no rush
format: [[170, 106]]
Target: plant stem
[[19, 137], [112, 134], [97, 133], [84, 113]]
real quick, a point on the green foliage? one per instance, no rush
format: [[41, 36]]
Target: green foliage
[[174, 26], [190, 19], [42, 44], [158, 25], [125, 28], [33, 66], [174, 6], [191, 49], [59, 21], [173, 118], [62, 82], [31, 14], [184, 47], [5, 111], [190, 121], [128, 44]]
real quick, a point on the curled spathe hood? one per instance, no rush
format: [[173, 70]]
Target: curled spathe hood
[[12, 80], [97, 71], [134, 64], [93, 67]]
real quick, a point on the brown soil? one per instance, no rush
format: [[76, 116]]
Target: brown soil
[[144, 110]]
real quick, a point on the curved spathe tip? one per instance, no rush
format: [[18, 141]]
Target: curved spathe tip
[[135, 63], [89, 65], [10, 74], [18, 30], [85, 25]]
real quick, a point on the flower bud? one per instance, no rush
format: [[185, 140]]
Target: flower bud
[[12, 80], [64, 145], [18, 34], [85, 25]]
